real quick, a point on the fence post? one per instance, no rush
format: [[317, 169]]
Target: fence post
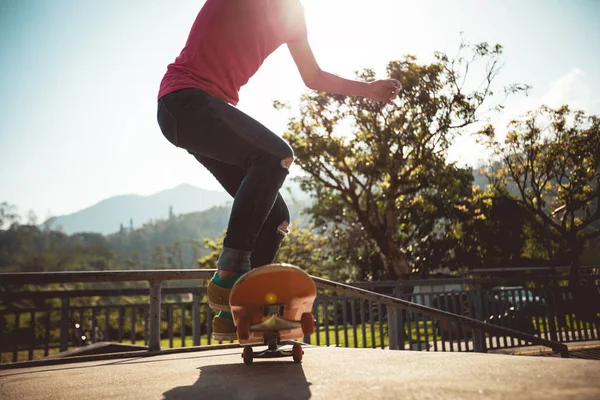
[[196, 319], [154, 340], [396, 323], [479, 344], [64, 324], [400, 317], [392, 313], [551, 307]]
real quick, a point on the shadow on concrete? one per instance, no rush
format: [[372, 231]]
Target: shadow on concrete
[[262, 380]]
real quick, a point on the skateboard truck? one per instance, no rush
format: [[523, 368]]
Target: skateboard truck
[[274, 350], [270, 328]]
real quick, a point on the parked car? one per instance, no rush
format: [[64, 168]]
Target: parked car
[[521, 298], [502, 313], [512, 307]]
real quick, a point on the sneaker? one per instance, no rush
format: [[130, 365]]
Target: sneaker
[[218, 297], [223, 329]]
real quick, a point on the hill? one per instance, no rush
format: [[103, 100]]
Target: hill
[[107, 216], [132, 211], [175, 242]]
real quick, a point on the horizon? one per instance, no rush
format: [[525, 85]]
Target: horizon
[[78, 123]]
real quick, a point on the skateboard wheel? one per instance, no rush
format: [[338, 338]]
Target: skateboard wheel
[[247, 355], [297, 352], [308, 323], [243, 329]]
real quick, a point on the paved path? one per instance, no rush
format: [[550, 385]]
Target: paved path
[[325, 373]]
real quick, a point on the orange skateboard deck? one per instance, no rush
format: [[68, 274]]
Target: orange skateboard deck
[[272, 304]]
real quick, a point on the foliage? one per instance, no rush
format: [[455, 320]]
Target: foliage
[[492, 229], [8, 214], [380, 174], [174, 243], [553, 157], [28, 248], [302, 247]]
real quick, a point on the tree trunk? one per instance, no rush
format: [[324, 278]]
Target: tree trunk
[[574, 253], [397, 262], [582, 296]]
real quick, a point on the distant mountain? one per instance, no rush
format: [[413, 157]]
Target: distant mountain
[[107, 216]]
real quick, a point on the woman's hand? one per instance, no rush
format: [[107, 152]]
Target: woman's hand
[[385, 90]]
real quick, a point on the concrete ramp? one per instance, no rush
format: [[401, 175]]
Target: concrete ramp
[[325, 373]]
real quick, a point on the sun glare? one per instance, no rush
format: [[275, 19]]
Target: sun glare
[[354, 34]]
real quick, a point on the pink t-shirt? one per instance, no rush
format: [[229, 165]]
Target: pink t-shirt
[[229, 41]]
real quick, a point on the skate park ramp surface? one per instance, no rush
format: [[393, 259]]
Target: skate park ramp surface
[[325, 373]]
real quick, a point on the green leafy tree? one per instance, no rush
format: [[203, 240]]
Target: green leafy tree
[[158, 258], [302, 247], [492, 229], [28, 248], [180, 237], [553, 158], [384, 170], [196, 249], [311, 252]]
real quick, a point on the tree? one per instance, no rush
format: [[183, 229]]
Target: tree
[[8, 215], [312, 252], [302, 247], [196, 249], [175, 255], [32, 218], [390, 177], [158, 258], [29, 248], [553, 158], [492, 229]]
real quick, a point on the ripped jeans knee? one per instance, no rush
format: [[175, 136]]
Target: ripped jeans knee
[[287, 162], [284, 228]]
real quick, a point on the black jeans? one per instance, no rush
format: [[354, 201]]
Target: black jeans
[[246, 158]]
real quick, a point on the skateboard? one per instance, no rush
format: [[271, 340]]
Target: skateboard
[[272, 305]]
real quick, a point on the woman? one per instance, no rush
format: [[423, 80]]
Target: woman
[[228, 42]]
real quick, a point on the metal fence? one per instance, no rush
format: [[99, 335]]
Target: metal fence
[[477, 317], [33, 332], [549, 314]]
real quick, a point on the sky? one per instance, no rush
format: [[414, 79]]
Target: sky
[[79, 80]]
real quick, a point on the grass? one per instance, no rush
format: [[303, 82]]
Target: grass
[[569, 324], [366, 339], [362, 339]]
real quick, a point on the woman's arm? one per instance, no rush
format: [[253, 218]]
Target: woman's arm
[[317, 79]]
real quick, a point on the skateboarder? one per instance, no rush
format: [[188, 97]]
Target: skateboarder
[[228, 42]]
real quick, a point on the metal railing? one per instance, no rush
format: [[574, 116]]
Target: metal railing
[[518, 309], [397, 319], [32, 323], [400, 318]]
